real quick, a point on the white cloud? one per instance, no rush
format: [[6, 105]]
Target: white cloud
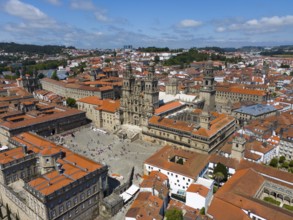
[[220, 29], [82, 5], [23, 10], [262, 25], [189, 23], [100, 16]]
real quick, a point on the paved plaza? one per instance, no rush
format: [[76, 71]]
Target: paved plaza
[[120, 155]]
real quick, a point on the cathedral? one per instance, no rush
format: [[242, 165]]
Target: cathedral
[[29, 83], [140, 97], [207, 91]]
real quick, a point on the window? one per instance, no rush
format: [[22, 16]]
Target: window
[[68, 204], [82, 196], [75, 200], [61, 209], [89, 192], [53, 213], [76, 210]]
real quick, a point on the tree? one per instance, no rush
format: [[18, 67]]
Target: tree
[[274, 162], [157, 59], [54, 76], [41, 76], [282, 159], [222, 169], [285, 165], [202, 211], [174, 214], [219, 176], [291, 163], [71, 102]]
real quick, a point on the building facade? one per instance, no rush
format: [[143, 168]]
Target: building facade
[[140, 97], [43, 181], [75, 90], [207, 91]]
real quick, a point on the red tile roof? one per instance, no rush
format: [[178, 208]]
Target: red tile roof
[[194, 164], [168, 107], [198, 188]]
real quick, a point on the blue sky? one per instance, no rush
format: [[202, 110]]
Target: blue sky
[[171, 23]]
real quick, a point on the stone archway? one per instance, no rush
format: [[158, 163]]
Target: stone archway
[[286, 200]]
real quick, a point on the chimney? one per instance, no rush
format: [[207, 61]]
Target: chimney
[[24, 149]]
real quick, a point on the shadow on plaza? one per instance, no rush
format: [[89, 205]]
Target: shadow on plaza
[[113, 184]]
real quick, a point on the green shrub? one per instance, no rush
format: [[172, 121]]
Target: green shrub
[[271, 200], [289, 207]]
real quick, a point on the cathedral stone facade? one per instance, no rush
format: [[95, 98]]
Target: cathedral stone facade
[[207, 90], [140, 97], [29, 83]]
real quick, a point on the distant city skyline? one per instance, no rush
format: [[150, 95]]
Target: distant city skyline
[[173, 24]]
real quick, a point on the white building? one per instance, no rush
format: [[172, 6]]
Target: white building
[[199, 194], [182, 167]]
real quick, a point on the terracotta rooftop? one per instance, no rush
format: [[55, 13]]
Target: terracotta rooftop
[[239, 193], [241, 91], [158, 181], [171, 123], [74, 165], [198, 188], [59, 112], [145, 207], [93, 100], [11, 155], [168, 107], [194, 164], [109, 105]]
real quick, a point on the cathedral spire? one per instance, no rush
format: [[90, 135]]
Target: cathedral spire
[[151, 71], [128, 71]]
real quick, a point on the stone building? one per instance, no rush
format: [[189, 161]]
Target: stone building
[[286, 143], [42, 118], [75, 90], [42, 180], [172, 86], [103, 113], [236, 94], [200, 130], [246, 113], [29, 83], [204, 134], [207, 91], [140, 97]]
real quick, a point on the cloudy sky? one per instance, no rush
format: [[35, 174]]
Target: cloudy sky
[[171, 23]]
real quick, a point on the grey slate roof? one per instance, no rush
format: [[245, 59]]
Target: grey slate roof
[[256, 110]]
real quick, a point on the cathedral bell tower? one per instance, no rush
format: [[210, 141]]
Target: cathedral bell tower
[[205, 118], [127, 84], [151, 93], [238, 147], [207, 90]]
